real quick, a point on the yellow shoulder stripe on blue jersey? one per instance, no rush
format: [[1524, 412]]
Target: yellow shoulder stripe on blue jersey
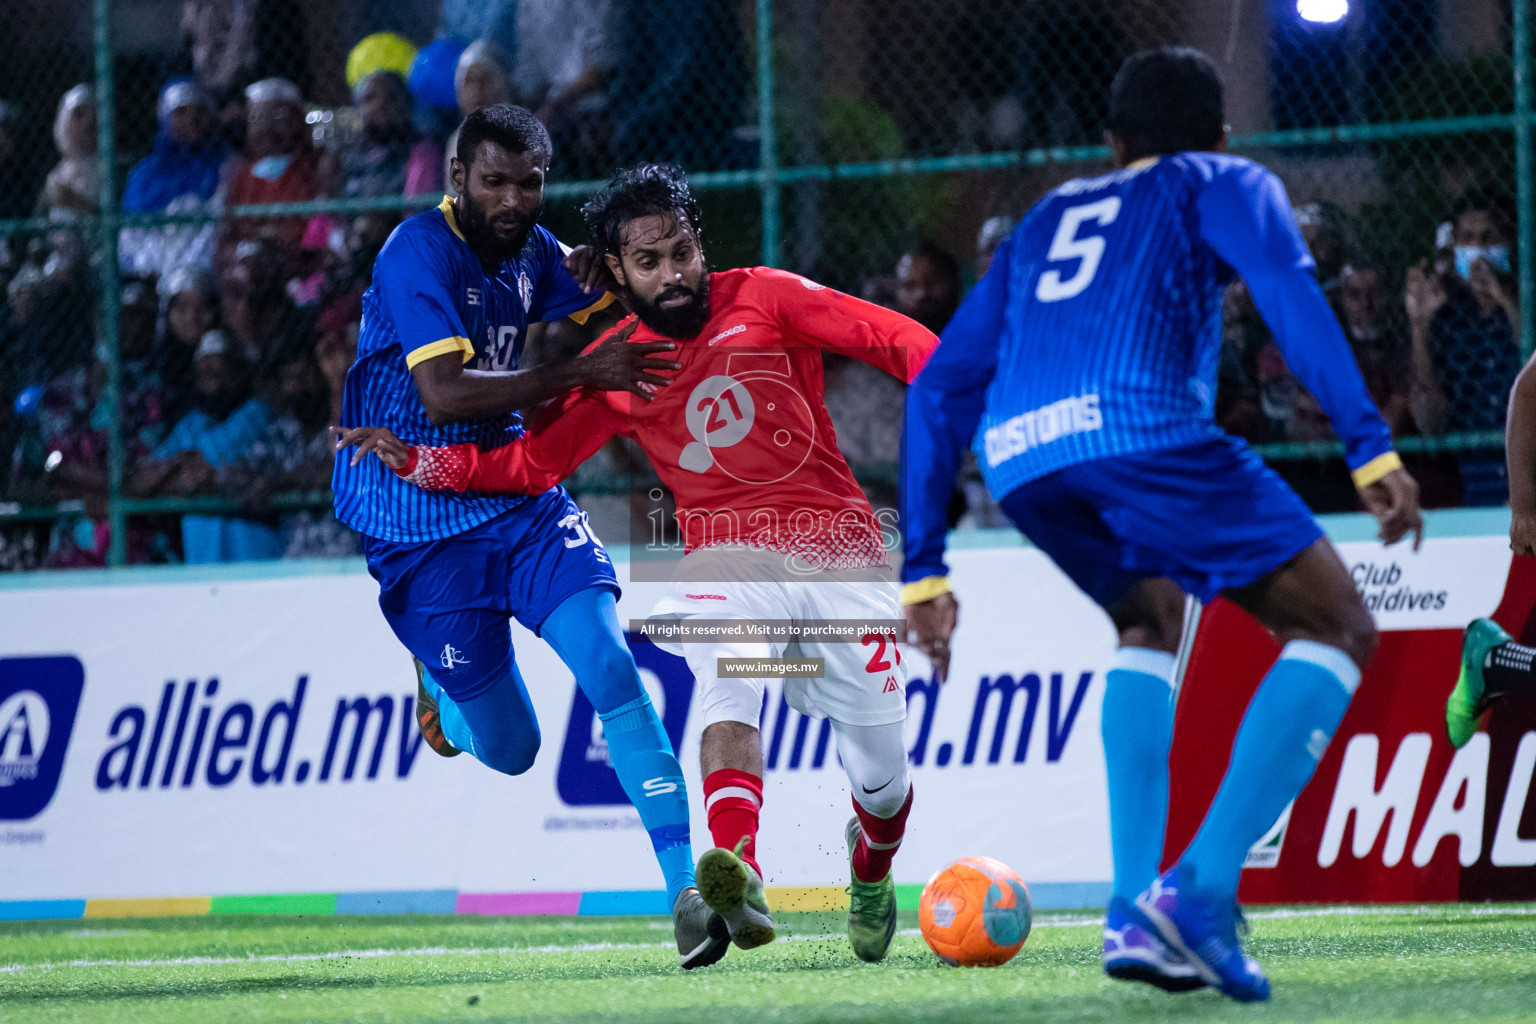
[[453, 224], [581, 315], [433, 349], [1377, 468]]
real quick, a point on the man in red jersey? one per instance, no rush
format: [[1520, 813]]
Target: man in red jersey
[[774, 527]]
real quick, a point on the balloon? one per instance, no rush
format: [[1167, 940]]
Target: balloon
[[382, 51], [432, 73]]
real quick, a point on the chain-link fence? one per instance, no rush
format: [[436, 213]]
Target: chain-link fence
[[192, 193]]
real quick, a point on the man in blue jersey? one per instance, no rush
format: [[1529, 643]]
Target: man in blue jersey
[[1083, 370], [454, 290]]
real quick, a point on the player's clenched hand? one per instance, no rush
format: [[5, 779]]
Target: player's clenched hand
[[1522, 533], [1394, 501], [392, 451], [590, 270], [930, 624], [616, 365]]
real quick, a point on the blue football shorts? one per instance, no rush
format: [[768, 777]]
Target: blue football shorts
[[448, 600], [1210, 516]]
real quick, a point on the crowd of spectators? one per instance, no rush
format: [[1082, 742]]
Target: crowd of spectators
[[1437, 343], [235, 333]]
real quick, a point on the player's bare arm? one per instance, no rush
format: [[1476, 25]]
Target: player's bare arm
[[1520, 453], [453, 394]]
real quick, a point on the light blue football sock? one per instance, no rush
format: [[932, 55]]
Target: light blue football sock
[[648, 770], [455, 729], [1137, 726], [584, 630], [1284, 734], [498, 727]]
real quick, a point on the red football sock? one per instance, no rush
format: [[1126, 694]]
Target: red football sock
[[732, 799], [880, 840]]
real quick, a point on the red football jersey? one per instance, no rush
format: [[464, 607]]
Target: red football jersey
[[741, 435]]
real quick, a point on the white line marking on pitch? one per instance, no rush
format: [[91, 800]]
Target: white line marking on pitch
[[599, 947], [351, 954]]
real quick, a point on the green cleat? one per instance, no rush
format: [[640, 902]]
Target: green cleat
[[871, 907], [1467, 701], [735, 892]]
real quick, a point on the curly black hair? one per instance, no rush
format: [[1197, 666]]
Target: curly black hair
[[645, 190]]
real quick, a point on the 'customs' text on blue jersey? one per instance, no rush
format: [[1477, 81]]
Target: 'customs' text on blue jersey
[[1097, 330], [430, 297]]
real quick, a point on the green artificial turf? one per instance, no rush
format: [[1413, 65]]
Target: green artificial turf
[[1412, 964]]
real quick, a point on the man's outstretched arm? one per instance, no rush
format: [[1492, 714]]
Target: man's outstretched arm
[[883, 338], [414, 283], [451, 393], [560, 439], [944, 406], [1247, 220]]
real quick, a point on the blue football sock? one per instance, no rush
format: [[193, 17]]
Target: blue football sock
[[1137, 725], [1288, 725], [584, 631], [455, 729], [648, 770], [498, 727]]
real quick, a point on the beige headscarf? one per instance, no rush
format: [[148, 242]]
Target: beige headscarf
[[75, 181]]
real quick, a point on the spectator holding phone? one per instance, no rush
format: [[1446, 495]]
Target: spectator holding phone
[[1465, 328]]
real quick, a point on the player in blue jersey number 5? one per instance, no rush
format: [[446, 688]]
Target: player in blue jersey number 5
[[1083, 369], [443, 328]]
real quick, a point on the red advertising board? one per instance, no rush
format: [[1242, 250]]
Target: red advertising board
[[1394, 814]]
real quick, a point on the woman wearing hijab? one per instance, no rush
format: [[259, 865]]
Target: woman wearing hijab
[[189, 309], [480, 79], [186, 158], [75, 181]]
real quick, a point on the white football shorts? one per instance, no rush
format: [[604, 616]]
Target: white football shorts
[[865, 679]]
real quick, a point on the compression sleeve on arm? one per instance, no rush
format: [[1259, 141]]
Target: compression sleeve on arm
[[561, 438], [1247, 220], [944, 406]]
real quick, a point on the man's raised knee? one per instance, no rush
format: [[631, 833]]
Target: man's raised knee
[[512, 755]]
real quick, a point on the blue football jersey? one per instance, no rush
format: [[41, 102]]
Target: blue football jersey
[[1097, 330], [430, 296]]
